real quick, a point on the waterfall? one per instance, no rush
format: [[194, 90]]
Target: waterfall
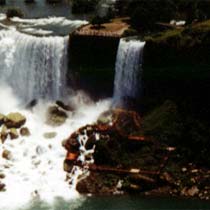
[[35, 67], [128, 71]]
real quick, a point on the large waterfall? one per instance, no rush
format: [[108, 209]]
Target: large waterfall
[[128, 71], [34, 67]]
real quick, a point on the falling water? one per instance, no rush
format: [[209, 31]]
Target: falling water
[[34, 67], [128, 69]]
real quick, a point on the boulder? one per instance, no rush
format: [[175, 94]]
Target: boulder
[[6, 154], [56, 116], [1, 119], [2, 187], [72, 145], [13, 133], [25, 131], [2, 176], [4, 134], [123, 121], [64, 106], [14, 120], [193, 191]]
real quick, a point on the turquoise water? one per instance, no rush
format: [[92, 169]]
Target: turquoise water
[[123, 203]]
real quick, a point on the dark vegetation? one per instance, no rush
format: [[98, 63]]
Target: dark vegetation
[[145, 14], [14, 12], [84, 6]]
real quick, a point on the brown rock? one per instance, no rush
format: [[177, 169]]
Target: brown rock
[[6, 154], [4, 134], [193, 191], [13, 133], [25, 131], [14, 120], [2, 176], [56, 116], [2, 187], [1, 119]]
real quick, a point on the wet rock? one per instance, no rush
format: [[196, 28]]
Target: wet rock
[[122, 121], [190, 192], [6, 154], [68, 166], [2, 176], [193, 191], [168, 178], [72, 144], [105, 118], [14, 120], [4, 134], [90, 142], [25, 131], [2, 187], [64, 106], [13, 133], [49, 135], [56, 116], [31, 104], [1, 119]]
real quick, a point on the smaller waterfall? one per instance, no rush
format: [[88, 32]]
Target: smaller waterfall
[[128, 71]]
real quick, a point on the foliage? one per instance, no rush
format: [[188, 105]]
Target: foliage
[[14, 12], [164, 123], [145, 14], [84, 6]]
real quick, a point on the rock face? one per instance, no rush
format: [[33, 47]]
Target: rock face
[[14, 120]]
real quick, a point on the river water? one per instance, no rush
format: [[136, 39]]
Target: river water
[[42, 9], [123, 203]]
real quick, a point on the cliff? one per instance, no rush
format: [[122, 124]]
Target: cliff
[[92, 60]]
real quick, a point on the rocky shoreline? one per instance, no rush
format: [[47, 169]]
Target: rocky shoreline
[[128, 162]]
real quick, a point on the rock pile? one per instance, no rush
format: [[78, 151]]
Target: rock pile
[[12, 126]]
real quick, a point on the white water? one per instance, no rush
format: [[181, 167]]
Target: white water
[[52, 26], [34, 67], [128, 71], [48, 26], [35, 171]]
